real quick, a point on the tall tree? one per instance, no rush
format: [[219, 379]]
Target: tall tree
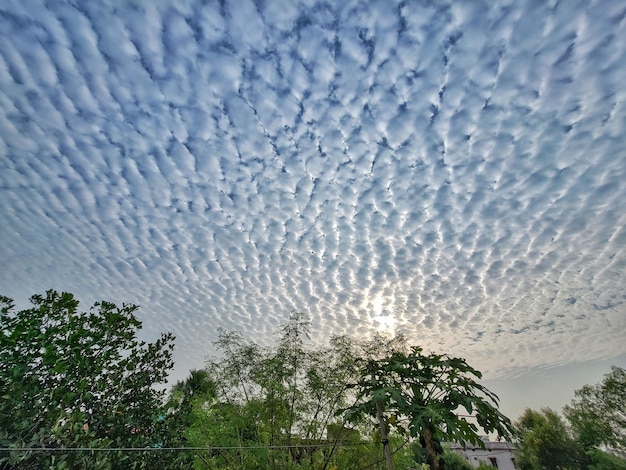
[[598, 413], [601, 460], [421, 395], [286, 396], [78, 379], [185, 407], [544, 443]]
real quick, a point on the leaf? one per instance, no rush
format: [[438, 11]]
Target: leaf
[[427, 389], [66, 374]]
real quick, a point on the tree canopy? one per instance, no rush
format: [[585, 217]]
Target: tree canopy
[[422, 395], [592, 435], [83, 380], [277, 407], [598, 413], [71, 379], [544, 442]]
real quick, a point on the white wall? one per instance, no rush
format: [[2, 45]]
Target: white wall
[[498, 453]]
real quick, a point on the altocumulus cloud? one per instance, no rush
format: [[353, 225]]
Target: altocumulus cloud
[[452, 171]]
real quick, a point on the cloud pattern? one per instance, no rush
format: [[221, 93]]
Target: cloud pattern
[[451, 170]]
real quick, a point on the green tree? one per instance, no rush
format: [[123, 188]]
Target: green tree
[[598, 413], [80, 380], [241, 415], [600, 460], [284, 398], [449, 460], [453, 461], [421, 396], [285, 395], [544, 443], [185, 407]]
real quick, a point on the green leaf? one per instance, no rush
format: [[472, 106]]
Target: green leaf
[[66, 380]]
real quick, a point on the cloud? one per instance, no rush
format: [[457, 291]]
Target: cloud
[[448, 171]]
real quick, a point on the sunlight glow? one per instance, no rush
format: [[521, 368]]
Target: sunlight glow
[[383, 317]]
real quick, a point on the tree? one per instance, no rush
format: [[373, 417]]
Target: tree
[[600, 460], [285, 398], [185, 407], [79, 380], [544, 443], [449, 459], [598, 413], [453, 461], [286, 395], [421, 396]]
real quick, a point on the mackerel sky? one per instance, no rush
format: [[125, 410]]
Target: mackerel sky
[[454, 171]]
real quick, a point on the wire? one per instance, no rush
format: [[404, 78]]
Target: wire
[[150, 449]]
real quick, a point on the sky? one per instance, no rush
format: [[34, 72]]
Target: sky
[[452, 171]]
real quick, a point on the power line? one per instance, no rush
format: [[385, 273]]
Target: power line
[[150, 449]]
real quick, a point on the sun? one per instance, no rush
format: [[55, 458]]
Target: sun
[[383, 318]]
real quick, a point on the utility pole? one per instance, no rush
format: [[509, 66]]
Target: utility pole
[[381, 421]]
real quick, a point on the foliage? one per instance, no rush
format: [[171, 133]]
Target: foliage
[[449, 460], [452, 461], [280, 403], [596, 418], [81, 380], [544, 443], [600, 460], [598, 413], [421, 395], [184, 408], [282, 396]]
